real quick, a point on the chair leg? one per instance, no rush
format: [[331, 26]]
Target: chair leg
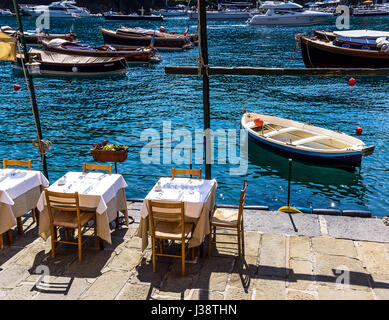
[[9, 237], [53, 236], [214, 234], [20, 225], [183, 257], [154, 258], [95, 232], [161, 242], [209, 244], [79, 244], [193, 254], [67, 234], [239, 247], [1, 241], [117, 221]]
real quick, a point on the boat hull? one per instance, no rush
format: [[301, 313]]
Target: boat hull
[[288, 21], [345, 160], [80, 69], [133, 18], [163, 44], [319, 55]]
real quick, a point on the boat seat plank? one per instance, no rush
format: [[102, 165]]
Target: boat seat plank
[[277, 132], [309, 139]]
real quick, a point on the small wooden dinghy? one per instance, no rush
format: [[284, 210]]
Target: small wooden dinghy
[[138, 56], [122, 39], [304, 141], [52, 63]]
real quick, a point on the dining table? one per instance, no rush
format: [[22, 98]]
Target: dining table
[[101, 192], [198, 196], [19, 193]]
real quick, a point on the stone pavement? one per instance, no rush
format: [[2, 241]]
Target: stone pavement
[[286, 257]]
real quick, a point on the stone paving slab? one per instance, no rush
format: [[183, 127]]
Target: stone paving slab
[[279, 262], [368, 229]]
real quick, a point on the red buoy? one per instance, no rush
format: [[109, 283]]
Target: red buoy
[[358, 131], [16, 87], [351, 81]]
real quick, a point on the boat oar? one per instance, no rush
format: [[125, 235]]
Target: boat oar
[[288, 208]]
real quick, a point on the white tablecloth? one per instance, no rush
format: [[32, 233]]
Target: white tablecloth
[[19, 193], [198, 196], [98, 191], [15, 182]]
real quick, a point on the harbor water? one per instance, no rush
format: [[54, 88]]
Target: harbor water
[[118, 109]]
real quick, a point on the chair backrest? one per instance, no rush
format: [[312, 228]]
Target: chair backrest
[[104, 167], [242, 200], [171, 212], [190, 172], [65, 202], [7, 163]]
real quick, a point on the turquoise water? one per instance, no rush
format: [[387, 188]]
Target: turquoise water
[[119, 109]]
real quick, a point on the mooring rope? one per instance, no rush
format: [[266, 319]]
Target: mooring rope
[[43, 145], [386, 168]]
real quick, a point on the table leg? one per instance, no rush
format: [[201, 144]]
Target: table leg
[[36, 214], [20, 225], [1, 241], [9, 237], [101, 244]]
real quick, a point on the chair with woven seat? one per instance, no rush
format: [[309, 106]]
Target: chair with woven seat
[[229, 219], [64, 211], [20, 163], [167, 223], [103, 167], [190, 172]]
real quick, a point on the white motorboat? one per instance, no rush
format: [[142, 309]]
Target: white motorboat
[[54, 10], [226, 11], [287, 14], [71, 7], [6, 12]]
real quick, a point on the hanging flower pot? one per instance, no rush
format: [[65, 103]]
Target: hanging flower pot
[[104, 152]]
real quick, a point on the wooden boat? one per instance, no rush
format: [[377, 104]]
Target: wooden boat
[[193, 37], [33, 39], [52, 63], [304, 141], [121, 39], [138, 56], [346, 49]]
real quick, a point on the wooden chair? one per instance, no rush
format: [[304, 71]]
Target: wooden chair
[[7, 163], [23, 163], [190, 172], [229, 219], [104, 167], [167, 223], [64, 211]]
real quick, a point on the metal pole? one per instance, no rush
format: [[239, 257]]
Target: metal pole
[[203, 61], [35, 111], [290, 177]]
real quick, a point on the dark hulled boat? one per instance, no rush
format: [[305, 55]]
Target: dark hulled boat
[[347, 49], [121, 39], [138, 56], [52, 63], [34, 39]]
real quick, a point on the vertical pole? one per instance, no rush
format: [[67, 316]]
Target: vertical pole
[[290, 177], [35, 111], [203, 60]]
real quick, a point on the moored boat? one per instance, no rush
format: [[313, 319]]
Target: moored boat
[[121, 39], [138, 56], [346, 49], [304, 141], [58, 64], [117, 16], [33, 39]]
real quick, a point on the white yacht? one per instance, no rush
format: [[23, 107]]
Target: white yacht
[[54, 10], [226, 11], [70, 5], [287, 14]]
